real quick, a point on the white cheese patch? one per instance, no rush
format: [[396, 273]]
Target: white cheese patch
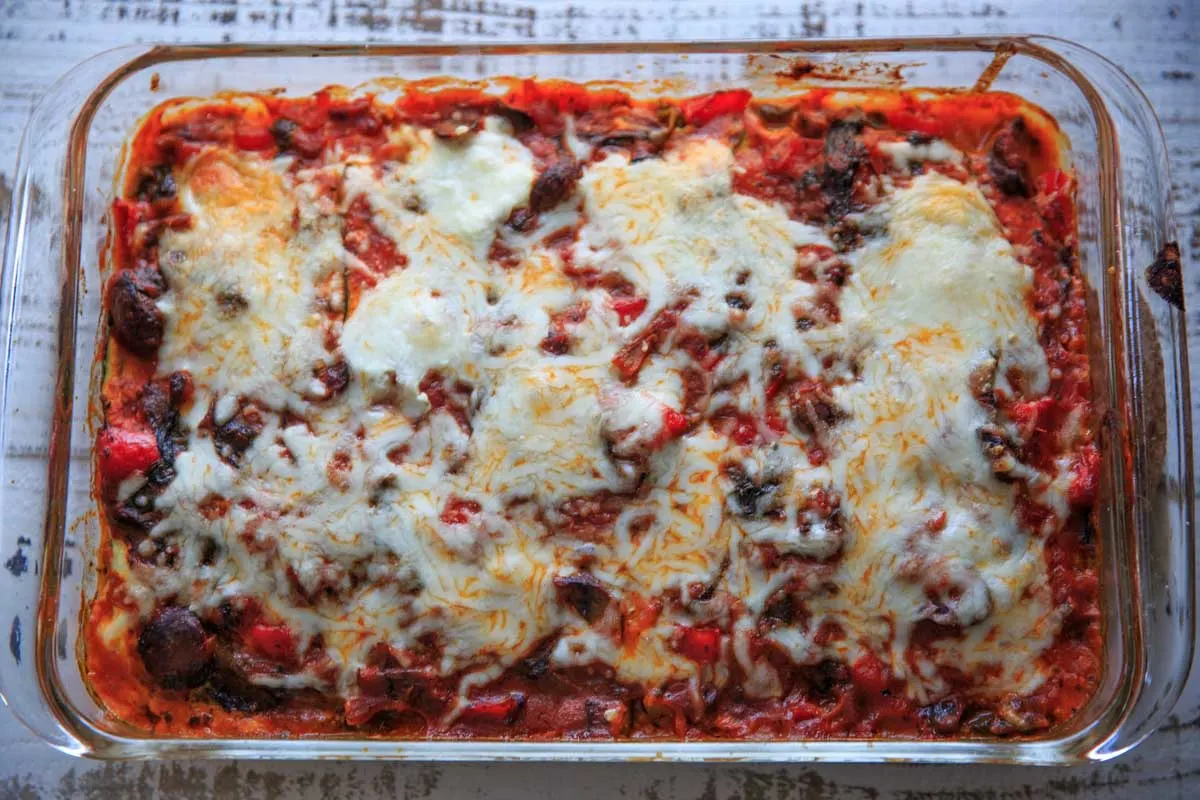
[[245, 286], [407, 326], [926, 304], [538, 435], [677, 231], [905, 154], [446, 200]]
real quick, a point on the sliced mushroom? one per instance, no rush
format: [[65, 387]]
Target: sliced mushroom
[[750, 496], [982, 382], [584, 593], [1000, 452], [957, 596], [554, 185], [233, 437]]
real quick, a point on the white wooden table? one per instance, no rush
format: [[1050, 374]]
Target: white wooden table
[[1155, 41]]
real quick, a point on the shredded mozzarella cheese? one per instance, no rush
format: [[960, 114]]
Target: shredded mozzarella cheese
[[337, 524]]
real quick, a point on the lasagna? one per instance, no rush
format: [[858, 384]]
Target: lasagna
[[539, 410]]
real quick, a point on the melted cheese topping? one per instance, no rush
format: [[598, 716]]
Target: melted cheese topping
[[337, 525], [247, 282], [538, 435], [928, 304], [410, 324], [676, 230]]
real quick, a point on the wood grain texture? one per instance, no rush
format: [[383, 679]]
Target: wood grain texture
[[1155, 41]]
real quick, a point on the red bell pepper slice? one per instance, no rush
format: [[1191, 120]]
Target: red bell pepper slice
[[495, 709], [273, 641], [628, 308], [870, 674], [702, 110], [123, 452], [702, 645]]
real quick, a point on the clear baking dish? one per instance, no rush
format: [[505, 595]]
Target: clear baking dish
[[51, 312]]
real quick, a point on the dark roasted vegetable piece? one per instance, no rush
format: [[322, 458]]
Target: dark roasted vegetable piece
[[1165, 275], [282, 130], [160, 404], [138, 510], [174, 647], [156, 183], [583, 592], [750, 498], [843, 154], [554, 185], [1008, 159], [137, 322], [944, 716], [235, 436], [230, 686]]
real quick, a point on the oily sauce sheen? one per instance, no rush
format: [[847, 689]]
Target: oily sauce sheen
[[830, 161]]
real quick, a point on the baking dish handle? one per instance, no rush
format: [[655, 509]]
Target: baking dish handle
[[23, 476], [35, 281], [1152, 411], [38, 317]]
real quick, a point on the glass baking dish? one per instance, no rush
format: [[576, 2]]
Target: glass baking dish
[[51, 314]]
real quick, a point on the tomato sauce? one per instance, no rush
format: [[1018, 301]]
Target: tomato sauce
[[821, 160]]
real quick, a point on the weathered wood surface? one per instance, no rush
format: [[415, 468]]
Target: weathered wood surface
[[1155, 41]]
